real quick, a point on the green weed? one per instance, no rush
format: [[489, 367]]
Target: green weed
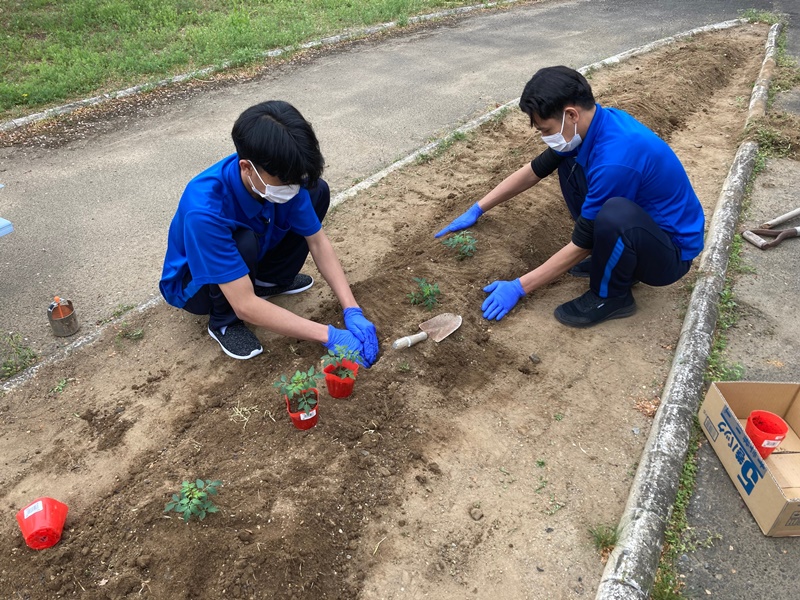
[[604, 538], [15, 355], [60, 386], [126, 331]]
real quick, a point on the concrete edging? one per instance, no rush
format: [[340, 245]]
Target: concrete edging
[[631, 569]]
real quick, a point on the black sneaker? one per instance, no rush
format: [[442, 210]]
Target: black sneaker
[[300, 284], [590, 309], [582, 269], [237, 341]]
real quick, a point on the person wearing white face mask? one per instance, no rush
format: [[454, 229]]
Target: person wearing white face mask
[[242, 231], [636, 215]]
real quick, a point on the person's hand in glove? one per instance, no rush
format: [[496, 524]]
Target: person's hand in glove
[[468, 219], [342, 337], [502, 298], [364, 330]]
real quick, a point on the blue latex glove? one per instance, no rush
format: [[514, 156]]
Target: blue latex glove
[[342, 337], [364, 330], [468, 219], [504, 295]]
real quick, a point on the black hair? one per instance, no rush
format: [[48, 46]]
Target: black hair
[[552, 89], [276, 137]]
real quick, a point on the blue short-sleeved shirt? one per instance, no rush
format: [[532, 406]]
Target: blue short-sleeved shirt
[[214, 205], [623, 158]]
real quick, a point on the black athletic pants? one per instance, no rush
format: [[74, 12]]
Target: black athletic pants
[[628, 244]]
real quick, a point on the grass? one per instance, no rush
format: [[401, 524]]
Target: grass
[[604, 538], [129, 332], [56, 50], [15, 355]]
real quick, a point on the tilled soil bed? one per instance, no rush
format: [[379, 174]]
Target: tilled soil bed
[[472, 468]]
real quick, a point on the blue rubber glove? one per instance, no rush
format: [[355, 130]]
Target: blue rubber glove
[[364, 330], [504, 295], [342, 337], [468, 219]]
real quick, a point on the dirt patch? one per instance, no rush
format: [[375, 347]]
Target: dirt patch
[[471, 468]]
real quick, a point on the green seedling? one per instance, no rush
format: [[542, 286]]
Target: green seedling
[[60, 386], [540, 463], [404, 367], [15, 356], [427, 295], [194, 500], [558, 417], [336, 356], [300, 388], [463, 243]]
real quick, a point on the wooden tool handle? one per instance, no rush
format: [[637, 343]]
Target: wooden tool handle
[[409, 340]]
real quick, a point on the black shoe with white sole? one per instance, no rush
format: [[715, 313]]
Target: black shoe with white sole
[[590, 309], [237, 341], [300, 284]]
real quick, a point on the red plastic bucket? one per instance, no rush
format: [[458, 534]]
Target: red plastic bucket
[[766, 430], [339, 387], [42, 522], [301, 419]]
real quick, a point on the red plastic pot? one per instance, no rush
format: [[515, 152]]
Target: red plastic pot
[[766, 430], [303, 419], [42, 522], [339, 387]]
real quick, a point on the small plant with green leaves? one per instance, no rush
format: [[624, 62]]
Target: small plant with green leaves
[[336, 357], [15, 356], [427, 295], [60, 386], [300, 389], [604, 538], [129, 332], [194, 499], [463, 243]]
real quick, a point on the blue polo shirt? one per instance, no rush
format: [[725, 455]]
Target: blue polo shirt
[[623, 158], [213, 206]]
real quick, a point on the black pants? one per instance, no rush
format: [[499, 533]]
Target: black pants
[[279, 265], [628, 244]]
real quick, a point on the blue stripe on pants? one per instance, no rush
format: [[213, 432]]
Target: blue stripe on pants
[[612, 262]]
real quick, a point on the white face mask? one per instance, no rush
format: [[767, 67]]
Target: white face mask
[[278, 194], [557, 141]]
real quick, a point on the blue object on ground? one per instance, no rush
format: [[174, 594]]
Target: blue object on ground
[[5, 227]]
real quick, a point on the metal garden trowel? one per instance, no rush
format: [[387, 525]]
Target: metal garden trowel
[[437, 328]]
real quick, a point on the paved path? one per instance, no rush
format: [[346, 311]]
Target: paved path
[[91, 218]]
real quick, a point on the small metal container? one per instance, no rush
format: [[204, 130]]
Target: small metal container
[[61, 315]]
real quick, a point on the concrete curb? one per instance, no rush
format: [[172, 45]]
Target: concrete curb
[[631, 568], [328, 41]]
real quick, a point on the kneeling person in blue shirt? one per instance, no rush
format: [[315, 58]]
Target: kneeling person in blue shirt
[[243, 230], [634, 208]]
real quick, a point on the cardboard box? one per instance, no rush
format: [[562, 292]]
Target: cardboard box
[[771, 487]]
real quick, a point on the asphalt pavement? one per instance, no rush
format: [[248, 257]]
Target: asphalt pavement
[[91, 216]]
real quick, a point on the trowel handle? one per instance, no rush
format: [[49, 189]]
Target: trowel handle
[[409, 340]]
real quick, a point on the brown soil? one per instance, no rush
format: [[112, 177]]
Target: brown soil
[[469, 468]]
